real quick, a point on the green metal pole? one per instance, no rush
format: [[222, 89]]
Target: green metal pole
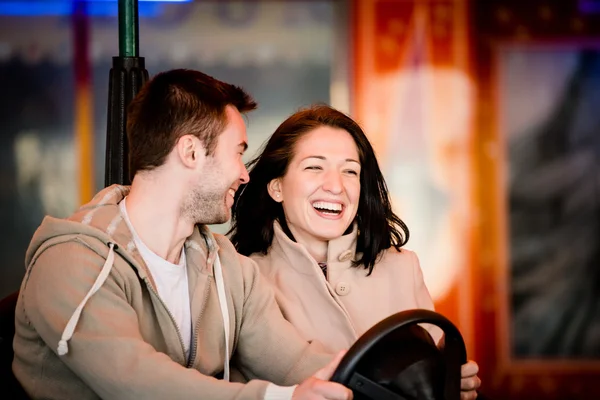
[[128, 28], [127, 75]]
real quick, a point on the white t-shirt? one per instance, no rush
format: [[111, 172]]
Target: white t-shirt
[[171, 283]]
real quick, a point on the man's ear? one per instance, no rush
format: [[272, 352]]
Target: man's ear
[[274, 189], [189, 150]]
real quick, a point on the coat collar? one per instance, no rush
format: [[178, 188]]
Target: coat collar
[[340, 251]]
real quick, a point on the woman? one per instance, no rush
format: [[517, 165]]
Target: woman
[[317, 218]]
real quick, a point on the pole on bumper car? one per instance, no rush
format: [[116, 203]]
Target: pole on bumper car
[[127, 76]]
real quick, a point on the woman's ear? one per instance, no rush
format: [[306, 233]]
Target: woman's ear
[[274, 189]]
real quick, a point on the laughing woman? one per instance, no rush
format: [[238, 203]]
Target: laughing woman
[[317, 218]]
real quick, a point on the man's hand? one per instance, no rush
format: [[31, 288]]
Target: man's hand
[[469, 381], [317, 386]]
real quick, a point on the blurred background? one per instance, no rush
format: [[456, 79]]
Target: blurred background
[[485, 116]]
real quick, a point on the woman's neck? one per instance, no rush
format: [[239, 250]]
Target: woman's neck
[[317, 248]]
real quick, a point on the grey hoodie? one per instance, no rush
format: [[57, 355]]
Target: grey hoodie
[[89, 322]]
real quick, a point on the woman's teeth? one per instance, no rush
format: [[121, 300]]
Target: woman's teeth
[[326, 207]]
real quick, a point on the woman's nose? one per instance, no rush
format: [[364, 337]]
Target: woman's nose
[[333, 182]]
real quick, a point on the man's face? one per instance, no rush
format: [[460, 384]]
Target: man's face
[[211, 197]]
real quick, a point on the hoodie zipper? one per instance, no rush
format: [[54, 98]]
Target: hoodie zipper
[[147, 282], [197, 326]]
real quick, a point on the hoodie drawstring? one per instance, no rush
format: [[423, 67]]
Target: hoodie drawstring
[[218, 271], [63, 348]]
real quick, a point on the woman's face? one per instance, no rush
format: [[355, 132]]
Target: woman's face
[[321, 189]]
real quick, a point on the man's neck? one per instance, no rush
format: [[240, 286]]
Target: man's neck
[[154, 209]]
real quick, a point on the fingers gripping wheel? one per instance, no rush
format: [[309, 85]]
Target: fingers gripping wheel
[[398, 360]]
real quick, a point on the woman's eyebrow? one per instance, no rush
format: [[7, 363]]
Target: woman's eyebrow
[[323, 158]]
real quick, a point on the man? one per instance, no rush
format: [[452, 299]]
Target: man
[[132, 297]]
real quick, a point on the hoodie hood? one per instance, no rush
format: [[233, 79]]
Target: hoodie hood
[[101, 219]]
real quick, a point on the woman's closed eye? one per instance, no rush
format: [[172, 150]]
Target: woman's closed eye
[[314, 167]]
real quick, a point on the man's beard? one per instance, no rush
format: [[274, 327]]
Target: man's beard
[[205, 204]]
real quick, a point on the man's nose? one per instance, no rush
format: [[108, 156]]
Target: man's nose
[[245, 177]]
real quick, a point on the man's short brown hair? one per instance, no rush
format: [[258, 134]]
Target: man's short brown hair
[[176, 103]]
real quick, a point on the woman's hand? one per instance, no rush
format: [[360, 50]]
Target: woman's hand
[[469, 381]]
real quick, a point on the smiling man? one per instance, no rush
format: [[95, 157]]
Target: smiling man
[[132, 297]]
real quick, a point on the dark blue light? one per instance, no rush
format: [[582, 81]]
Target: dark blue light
[[589, 6], [105, 8]]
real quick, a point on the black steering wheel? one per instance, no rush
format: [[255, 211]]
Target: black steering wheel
[[454, 353]]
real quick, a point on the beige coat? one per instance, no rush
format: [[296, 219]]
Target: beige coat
[[126, 345], [337, 310]]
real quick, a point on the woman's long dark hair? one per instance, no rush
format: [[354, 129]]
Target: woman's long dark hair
[[254, 211]]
